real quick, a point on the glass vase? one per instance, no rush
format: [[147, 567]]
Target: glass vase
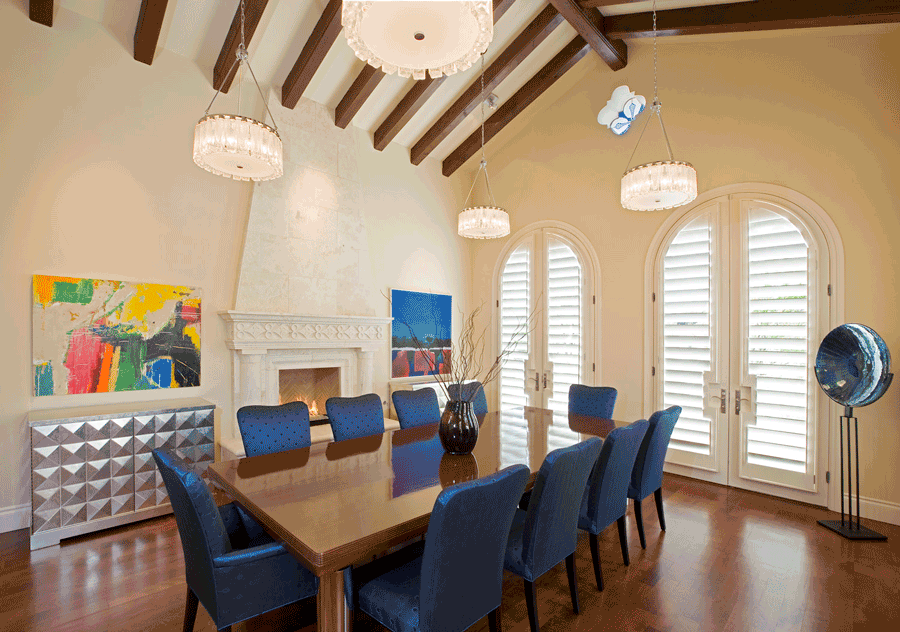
[[459, 427]]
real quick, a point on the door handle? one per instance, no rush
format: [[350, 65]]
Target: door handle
[[545, 380], [723, 401], [743, 393], [537, 380]]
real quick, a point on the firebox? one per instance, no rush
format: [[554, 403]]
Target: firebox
[[312, 386]]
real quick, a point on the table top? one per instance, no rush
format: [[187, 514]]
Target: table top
[[335, 504]]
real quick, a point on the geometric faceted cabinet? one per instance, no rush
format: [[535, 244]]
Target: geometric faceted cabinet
[[92, 467]]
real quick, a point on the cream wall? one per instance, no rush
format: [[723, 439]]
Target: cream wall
[[98, 181], [816, 113]]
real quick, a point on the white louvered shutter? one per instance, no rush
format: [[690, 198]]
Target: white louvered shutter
[[515, 299]]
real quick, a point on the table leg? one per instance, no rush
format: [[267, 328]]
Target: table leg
[[332, 614]]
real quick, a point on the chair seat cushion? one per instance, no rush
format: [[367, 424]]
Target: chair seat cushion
[[392, 597], [514, 560]]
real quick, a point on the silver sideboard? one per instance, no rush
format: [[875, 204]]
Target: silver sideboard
[[92, 467]]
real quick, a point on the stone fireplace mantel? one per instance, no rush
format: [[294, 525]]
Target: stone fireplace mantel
[[264, 343]]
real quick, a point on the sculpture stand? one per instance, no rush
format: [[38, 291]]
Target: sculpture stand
[[849, 529]]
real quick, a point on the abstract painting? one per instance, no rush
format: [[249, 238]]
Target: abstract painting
[[427, 318], [93, 336]]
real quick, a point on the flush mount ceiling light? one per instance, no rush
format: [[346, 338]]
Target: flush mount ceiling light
[[663, 184], [411, 38], [235, 146]]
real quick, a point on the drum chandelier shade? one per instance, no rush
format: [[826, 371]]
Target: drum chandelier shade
[[663, 184], [235, 146], [411, 38], [853, 365]]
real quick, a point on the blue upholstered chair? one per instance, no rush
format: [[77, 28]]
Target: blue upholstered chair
[[594, 401], [268, 429], [546, 533], [416, 408], [646, 477], [606, 498], [353, 417], [233, 568], [470, 392], [455, 577]]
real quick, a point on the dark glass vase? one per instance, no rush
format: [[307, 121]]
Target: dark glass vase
[[459, 427]]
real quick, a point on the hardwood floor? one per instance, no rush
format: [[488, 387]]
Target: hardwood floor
[[730, 560]]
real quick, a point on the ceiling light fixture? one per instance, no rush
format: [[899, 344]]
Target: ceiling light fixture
[[412, 38], [235, 146], [663, 184], [483, 222]]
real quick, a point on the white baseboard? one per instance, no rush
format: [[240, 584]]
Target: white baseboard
[[15, 517], [874, 509]]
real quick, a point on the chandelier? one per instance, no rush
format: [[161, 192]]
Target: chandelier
[[663, 184], [483, 222], [235, 146], [410, 38]]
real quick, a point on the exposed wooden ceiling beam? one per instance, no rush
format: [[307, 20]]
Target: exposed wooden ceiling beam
[[149, 25], [320, 40], [545, 77], [596, 4], [253, 11], [368, 78], [507, 61], [418, 95], [763, 15], [41, 11], [590, 25]]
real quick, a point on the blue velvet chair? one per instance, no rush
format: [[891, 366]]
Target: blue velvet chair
[[268, 429], [354, 417], [470, 392], [232, 567], [606, 497], [646, 477], [546, 533], [455, 577], [594, 401], [416, 408]]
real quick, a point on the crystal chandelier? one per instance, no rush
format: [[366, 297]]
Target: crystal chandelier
[[663, 184], [410, 38], [483, 222], [235, 146]]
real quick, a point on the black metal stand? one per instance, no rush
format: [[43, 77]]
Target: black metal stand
[[847, 528]]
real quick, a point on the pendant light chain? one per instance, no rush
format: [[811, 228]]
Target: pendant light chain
[[483, 165]]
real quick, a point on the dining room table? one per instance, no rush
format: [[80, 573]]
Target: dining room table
[[337, 504]]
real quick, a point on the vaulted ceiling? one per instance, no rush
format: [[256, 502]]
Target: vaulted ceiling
[[297, 44]]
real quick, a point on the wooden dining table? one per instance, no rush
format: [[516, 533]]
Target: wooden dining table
[[337, 504]]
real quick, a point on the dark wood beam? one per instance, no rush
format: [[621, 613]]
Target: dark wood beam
[[545, 77], [763, 15], [368, 78], [596, 4], [253, 11], [317, 46], [41, 11], [149, 25], [590, 25], [507, 61], [417, 96]]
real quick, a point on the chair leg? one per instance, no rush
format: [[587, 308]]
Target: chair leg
[[623, 540], [573, 582], [595, 554], [657, 495], [531, 603], [190, 611], [494, 620], [639, 518]]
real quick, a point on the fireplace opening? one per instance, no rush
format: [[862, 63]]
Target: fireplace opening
[[312, 386]]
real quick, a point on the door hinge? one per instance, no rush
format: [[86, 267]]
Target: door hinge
[[827, 477], [654, 297], [498, 302], [814, 479], [594, 299], [594, 366], [829, 289], [652, 370]]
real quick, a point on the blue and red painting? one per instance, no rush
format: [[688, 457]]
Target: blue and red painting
[[427, 317]]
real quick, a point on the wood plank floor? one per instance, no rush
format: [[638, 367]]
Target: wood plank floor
[[730, 560]]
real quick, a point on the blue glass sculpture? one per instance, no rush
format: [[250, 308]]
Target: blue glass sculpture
[[853, 365]]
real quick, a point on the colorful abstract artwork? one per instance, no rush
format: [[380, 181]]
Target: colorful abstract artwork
[[93, 336], [427, 318]]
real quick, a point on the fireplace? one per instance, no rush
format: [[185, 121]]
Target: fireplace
[[311, 386]]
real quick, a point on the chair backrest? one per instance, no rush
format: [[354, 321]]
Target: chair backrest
[[606, 497], [268, 429], [470, 392], [203, 534], [550, 532], [462, 565], [594, 401], [353, 417], [416, 408], [648, 466]]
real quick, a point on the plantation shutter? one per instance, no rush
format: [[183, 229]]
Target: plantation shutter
[[515, 285], [686, 315], [778, 354]]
